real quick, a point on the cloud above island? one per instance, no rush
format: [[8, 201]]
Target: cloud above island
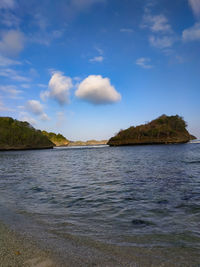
[[97, 90], [58, 88], [10, 90], [37, 109]]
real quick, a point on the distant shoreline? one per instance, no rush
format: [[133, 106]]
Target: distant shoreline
[[99, 145]]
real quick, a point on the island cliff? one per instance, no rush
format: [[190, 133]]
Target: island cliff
[[57, 139], [163, 130], [15, 135]]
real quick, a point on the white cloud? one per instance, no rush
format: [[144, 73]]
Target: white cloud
[[4, 108], [13, 75], [157, 23], [44, 117], [128, 30], [60, 119], [144, 63], [11, 90], [192, 34], [97, 90], [195, 5], [36, 108], [4, 61], [59, 87], [7, 4], [161, 42], [44, 37], [163, 35], [44, 95], [24, 116], [97, 59], [12, 42]]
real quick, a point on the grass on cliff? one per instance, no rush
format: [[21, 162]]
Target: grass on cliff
[[16, 134], [57, 139]]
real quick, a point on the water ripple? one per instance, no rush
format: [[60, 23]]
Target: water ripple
[[144, 195]]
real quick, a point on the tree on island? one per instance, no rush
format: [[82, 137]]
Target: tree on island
[[163, 130]]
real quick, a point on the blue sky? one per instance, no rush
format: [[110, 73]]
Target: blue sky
[[88, 68]]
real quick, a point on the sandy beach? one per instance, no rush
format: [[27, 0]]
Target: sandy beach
[[17, 251]]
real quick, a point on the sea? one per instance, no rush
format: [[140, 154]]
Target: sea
[[135, 205]]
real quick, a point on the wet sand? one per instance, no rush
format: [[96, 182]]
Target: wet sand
[[18, 250]]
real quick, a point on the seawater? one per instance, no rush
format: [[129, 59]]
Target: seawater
[[133, 196]]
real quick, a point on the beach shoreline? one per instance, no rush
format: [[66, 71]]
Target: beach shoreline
[[19, 250]]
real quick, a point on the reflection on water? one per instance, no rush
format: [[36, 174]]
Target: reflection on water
[[130, 196]]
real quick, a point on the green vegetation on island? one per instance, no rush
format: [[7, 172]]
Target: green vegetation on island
[[57, 139], [163, 130], [16, 135]]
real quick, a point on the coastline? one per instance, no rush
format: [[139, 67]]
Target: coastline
[[17, 250], [24, 148]]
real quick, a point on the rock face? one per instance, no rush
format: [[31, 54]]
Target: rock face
[[57, 139], [17, 135], [192, 137], [88, 143], [163, 130]]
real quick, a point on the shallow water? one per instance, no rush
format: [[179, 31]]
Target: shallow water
[[139, 196]]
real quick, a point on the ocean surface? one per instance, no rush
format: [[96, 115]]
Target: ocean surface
[[135, 196]]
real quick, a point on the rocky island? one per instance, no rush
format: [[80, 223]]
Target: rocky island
[[56, 139], [163, 130], [15, 135]]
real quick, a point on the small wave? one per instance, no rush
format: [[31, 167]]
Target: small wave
[[193, 162], [162, 201], [81, 147], [37, 189], [141, 223], [191, 208]]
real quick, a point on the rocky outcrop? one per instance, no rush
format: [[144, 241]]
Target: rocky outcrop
[[57, 139], [163, 130]]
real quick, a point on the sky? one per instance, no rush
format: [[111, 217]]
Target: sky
[[88, 68]]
